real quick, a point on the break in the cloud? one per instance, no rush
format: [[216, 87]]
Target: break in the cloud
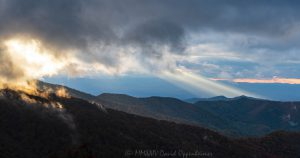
[[252, 80], [87, 37]]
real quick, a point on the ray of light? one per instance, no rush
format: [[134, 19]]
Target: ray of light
[[197, 84]]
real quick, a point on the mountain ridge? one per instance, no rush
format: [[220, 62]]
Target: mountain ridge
[[234, 119]]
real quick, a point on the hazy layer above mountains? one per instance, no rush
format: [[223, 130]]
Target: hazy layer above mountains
[[150, 86]]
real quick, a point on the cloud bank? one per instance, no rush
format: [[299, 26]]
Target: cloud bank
[[87, 37]]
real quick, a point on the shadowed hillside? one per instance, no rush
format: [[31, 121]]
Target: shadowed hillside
[[261, 116], [240, 116], [165, 108]]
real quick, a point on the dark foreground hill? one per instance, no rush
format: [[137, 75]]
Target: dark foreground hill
[[34, 127]]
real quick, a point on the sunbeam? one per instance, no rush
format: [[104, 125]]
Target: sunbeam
[[197, 84]]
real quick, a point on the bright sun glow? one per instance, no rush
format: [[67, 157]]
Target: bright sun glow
[[35, 60], [31, 61]]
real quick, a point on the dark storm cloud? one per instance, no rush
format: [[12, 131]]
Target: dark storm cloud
[[155, 33], [147, 23], [57, 21]]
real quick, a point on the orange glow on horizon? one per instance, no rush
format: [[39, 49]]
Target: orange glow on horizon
[[253, 80]]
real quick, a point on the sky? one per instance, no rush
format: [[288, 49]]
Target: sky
[[195, 48]]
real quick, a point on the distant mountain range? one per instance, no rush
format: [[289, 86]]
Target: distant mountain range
[[32, 127], [235, 117], [216, 98]]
